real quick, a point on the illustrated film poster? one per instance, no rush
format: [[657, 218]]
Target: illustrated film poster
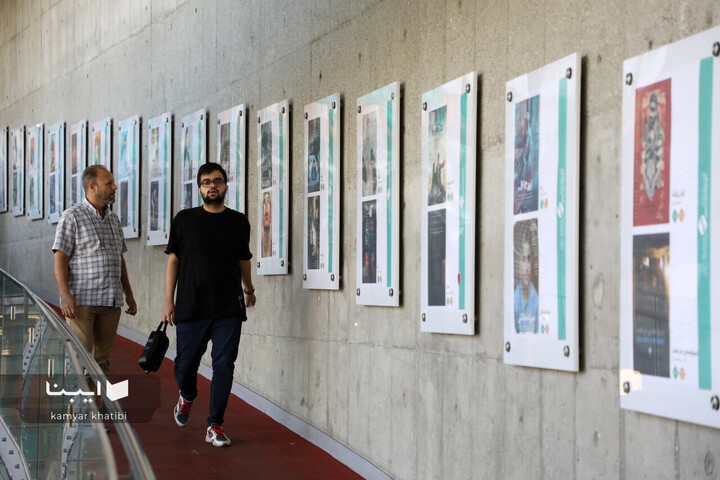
[[127, 176], [17, 171], [56, 178], [3, 170], [36, 168], [101, 143], [193, 154], [77, 160], [159, 182]]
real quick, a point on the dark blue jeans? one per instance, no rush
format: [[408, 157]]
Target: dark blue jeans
[[192, 340]]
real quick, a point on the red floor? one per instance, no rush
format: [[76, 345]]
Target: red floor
[[261, 448]]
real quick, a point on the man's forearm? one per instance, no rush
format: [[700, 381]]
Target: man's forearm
[[125, 280], [246, 272], [61, 272], [171, 275]]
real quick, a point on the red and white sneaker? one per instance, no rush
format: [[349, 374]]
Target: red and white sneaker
[[216, 436], [182, 412]]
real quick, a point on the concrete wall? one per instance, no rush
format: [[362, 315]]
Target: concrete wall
[[417, 405]]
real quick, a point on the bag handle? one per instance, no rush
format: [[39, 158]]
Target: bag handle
[[161, 326]]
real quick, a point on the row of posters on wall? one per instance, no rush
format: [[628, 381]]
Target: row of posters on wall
[[670, 307]]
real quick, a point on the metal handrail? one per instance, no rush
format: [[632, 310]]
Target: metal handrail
[[138, 461]]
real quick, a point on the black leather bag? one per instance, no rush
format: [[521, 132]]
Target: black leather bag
[[155, 348]]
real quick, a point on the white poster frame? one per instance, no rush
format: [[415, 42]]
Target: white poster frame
[[35, 171], [236, 147], [550, 98], [127, 176], [79, 129], [322, 162], [275, 185], [17, 171], [162, 173], [193, 153], [101, 143], [675, 88], [450, 200], [377, 279]]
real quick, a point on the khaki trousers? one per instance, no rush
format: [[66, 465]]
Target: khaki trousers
[[96, 327]]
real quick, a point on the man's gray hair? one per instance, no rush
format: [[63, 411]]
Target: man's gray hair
[[90, 175]]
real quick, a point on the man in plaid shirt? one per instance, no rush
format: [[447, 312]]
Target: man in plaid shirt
[[90, 268]]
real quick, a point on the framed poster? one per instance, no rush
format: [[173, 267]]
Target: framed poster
[[542, 156], [231, 150], [78, 160], [447, 255], [56, 177], [17, 172], [192, 149], [159, 182], [35, 171], [101, 143], [3, 170], [127, 176], [321, 258], [377, 256], [669, 270], [273, 136]]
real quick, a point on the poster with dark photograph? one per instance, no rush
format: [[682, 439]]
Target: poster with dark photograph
[[154, 204], [313, 160], [272, 135], [437, 235], [651, 304], [267, 237], [313, 233], [231, 148], [527, 154], [437, 183], [651, 186], [52, 207], [187, 194], [525, 294], [448, 186], [266, 155], [123, 214], [369, 242]]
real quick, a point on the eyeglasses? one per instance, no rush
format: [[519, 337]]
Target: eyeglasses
[[218, 182]]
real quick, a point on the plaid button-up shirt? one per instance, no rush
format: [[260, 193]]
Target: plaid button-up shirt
[[95, 246]]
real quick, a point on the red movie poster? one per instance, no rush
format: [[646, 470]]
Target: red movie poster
[[651, 181]]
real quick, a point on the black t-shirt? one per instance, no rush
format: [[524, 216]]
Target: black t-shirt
[[209, 247]]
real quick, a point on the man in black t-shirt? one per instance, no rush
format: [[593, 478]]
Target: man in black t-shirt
[[209, 261]]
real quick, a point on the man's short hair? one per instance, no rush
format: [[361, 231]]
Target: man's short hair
[[208, 168], [90, 175]]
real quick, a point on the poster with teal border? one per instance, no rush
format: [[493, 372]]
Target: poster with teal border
[[542, 163], [56, 171], [78, 160], [127, 176], [3, 170], [669, 295], [377, 278], [159, 179], [35, 171], [193, 153], [322, 187], [448, 189], [231, 148], [17, 171], [101, 143], [273, 200]]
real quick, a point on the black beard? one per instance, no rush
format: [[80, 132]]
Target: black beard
[[219, 200]]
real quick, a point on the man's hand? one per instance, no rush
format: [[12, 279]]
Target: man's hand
[[67, 304], [250, 299], [132, 306], [168, 313]]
